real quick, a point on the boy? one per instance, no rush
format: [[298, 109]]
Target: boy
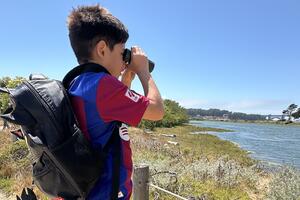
[[100, 99]]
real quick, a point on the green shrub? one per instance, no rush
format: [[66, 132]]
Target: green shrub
[[174, 115]]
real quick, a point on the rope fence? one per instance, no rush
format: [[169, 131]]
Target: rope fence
[[168, 192], [141, 184]]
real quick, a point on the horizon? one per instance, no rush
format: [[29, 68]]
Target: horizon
[[234, 55], [238, 112]]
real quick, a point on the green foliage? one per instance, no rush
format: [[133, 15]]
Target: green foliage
[[210, 112], [200, 144], [5, 184], [7, 82], [4, 100], [4, 81], [174, 115], [243, 116], [290, 110]]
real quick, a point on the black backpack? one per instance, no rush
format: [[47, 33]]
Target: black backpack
[[64, 162]]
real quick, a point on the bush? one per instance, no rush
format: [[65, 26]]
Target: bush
[[7, 82], [174, 115], [285, 185]]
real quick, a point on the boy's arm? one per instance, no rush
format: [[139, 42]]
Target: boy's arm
[[155, 109], [127, 77], [139, 64]]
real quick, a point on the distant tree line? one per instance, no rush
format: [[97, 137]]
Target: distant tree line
[[244, 116], [221, 113]]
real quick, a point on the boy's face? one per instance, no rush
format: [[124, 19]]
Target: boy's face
[[115, 63]]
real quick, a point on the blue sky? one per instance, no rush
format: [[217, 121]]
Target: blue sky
[[236, 55]]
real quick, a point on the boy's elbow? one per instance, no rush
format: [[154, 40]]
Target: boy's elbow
[[161, 112], [155, 111]]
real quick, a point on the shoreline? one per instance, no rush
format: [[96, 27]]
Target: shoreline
[[265, 163], [269, 163], [198, 160]]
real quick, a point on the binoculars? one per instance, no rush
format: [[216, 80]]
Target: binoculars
[[127, 59]]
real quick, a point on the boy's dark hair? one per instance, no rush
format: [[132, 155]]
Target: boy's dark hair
[[88, 25]]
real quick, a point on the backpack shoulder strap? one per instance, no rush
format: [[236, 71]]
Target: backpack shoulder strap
[[115, 138], [116, 166], [115, 142], [87, 67]]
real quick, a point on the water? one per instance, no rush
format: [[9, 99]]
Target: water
[[277, 144]]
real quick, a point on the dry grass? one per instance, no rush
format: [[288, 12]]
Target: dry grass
[[15, 170], [199, 167], [285, 184]]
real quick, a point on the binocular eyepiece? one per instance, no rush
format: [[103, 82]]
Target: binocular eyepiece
[[127, 59]]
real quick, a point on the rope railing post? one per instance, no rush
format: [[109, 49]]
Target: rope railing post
[[141, 182]]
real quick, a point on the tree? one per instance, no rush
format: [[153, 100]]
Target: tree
[[290, 109], [296, 113]]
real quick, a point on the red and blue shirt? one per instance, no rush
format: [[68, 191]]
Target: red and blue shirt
[[99, 100]]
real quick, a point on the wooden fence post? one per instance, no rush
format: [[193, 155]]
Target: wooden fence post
[[141, 182]]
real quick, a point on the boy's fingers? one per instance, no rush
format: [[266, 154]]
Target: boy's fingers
[[137, 50], [134, 49]]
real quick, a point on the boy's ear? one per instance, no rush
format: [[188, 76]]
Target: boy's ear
[[101, 48]]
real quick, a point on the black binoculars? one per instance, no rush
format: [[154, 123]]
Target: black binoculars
[[127, 59]]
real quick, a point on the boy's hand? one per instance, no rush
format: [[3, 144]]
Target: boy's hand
[[140, 65], [139, 61]]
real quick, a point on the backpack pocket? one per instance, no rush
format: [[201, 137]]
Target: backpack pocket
[[80, 160], [70, 170], [50, 180]]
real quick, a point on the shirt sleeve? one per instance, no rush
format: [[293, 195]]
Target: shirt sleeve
[[116, 102]]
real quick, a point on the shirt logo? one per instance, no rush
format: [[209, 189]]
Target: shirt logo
[[131, 95], [123, 132], [120, 195]]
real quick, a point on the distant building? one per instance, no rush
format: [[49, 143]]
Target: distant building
[[277, 117], [296, 120]]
